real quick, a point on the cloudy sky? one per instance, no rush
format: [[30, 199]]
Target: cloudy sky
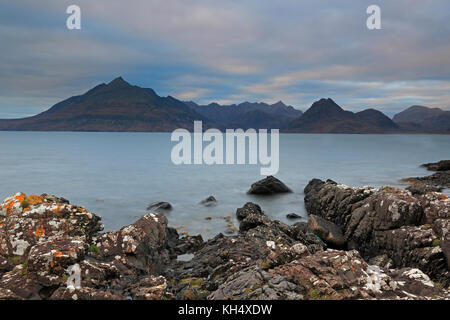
[[228, 51]]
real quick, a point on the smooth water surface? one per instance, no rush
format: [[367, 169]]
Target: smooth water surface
[[116, 175]]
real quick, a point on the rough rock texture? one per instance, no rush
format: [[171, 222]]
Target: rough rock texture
[[269, 185], [45, 242], [42, 236], [248, 209], [409, 229], [326, 275]]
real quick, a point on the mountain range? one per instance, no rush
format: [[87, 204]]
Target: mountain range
[[120, 106]]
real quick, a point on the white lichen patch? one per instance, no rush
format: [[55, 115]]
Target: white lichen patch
[[416, 274], [271, 244]]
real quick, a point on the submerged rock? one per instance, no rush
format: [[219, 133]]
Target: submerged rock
[[209, 202], [269, 185], [293, 216], [159, 206]]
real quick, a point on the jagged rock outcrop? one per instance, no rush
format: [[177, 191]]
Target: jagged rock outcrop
[[45, 241], [326, 275], [410, 229], [42, 236]]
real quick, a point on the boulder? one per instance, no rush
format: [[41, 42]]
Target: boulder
[[329, 232], [248, 209], [268, 185]]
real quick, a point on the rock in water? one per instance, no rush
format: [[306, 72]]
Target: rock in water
[[329, 232], [293, 216], [442, 165], [268, 185], [209, 202], [159, 206], [438, 180]]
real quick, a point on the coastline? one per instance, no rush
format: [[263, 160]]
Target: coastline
[[353, 247]]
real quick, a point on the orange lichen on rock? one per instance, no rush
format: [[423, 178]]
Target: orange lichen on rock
[[56, 210], [9, 205], [57, 254], [33, 200], [40, 231]]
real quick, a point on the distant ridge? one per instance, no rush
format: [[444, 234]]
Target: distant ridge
[[116, 106], [120, 106], [325, 116], [423, 119], [258, 115]]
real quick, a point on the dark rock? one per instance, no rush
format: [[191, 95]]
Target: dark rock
[[440, 179], [6, 294], [188, 244], [252, 221], [268, 185], [248, 209], [329, 232], [293, 216], [443, 165], [209, 202], [53, 198], [84, 293], [422, 188], [303, 226], [159, 206], [386, 221]]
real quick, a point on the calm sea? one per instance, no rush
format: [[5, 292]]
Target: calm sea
[[116, 175]]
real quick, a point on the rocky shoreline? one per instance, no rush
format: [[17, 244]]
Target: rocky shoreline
[[359, 243]]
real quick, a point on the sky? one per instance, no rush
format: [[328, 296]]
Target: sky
[[228, 51]]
